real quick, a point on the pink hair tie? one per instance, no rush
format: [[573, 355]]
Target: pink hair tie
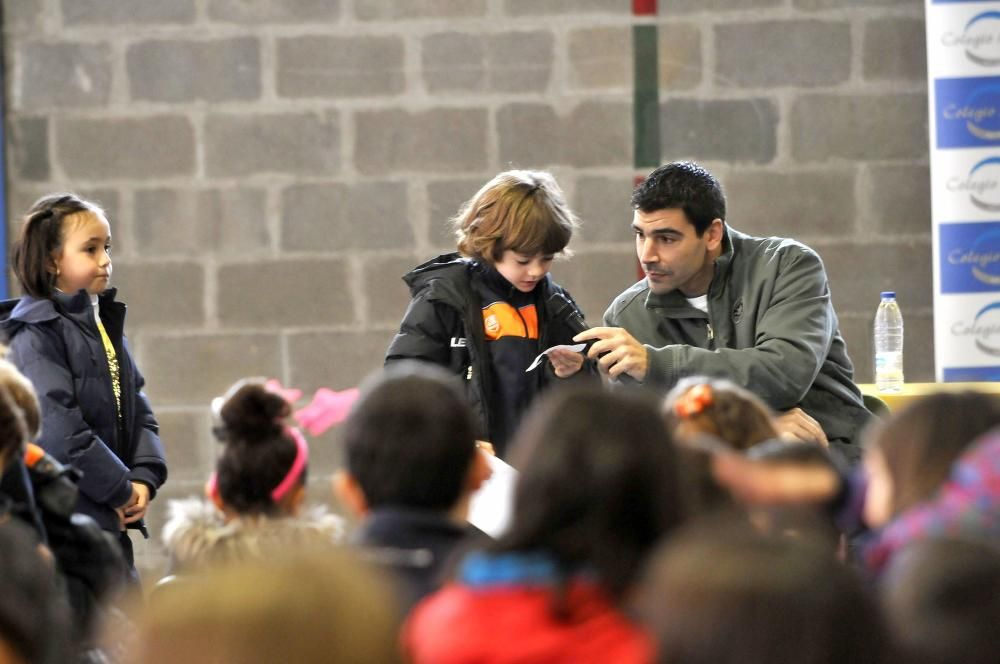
[[295, 472], [212, 485]]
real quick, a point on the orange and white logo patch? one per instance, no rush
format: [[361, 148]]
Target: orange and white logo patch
[[502, 320]]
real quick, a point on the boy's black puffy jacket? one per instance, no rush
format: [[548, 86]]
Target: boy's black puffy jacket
[[436, 328]]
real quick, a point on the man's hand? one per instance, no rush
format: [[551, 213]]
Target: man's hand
[[617, 352], [565, 362], [796, 425], [135, 508]]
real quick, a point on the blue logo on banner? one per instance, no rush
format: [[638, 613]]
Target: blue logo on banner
[[984, 329], [968, 112], [982, 184], [980, 39], [970, 257]]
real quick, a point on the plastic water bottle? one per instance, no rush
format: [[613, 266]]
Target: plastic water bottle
[[888, 344]]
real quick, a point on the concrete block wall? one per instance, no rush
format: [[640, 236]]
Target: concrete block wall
[[272, 168]]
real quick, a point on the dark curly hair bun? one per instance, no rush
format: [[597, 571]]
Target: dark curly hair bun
[[253, 414]]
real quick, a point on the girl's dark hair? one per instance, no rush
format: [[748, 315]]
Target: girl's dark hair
[[798, 520], [40, 236], [734, 414], [921, 442], [701, 493], [258, 450], [598, 486], [942, 599], [719, 592]]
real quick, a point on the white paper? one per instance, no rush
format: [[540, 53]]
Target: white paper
[[490, 508], [575, 348]]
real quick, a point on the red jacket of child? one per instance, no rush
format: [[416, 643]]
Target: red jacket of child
[[500, 621]]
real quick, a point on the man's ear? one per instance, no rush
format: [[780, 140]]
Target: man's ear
[[349, 493], [713, 234], [479, 472]]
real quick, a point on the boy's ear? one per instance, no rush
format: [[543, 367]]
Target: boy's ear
[[349, 493], [479, 472]]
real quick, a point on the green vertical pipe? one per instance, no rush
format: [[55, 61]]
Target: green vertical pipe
[[646, 97]]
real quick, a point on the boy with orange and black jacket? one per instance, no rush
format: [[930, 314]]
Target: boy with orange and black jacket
[[487, 311]]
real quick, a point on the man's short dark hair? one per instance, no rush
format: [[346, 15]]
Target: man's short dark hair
[[682, 185], [410, 439]]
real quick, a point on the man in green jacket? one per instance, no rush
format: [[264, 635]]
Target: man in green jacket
[[717, 302]]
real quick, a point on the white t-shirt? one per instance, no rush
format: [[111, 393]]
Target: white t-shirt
[[700, 302]]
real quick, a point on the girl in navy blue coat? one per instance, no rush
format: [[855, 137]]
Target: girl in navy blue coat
[[66, 336]]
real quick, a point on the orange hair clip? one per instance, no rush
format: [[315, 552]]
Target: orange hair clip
[[694, 401]]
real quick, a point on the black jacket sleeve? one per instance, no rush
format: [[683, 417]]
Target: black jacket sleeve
[[427, 332]]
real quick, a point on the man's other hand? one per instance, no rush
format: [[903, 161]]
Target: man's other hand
[[796, 425]]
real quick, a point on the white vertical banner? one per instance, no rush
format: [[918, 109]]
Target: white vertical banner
[[963, 71]]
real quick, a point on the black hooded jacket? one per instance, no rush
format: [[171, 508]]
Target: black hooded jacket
[[446, 323]]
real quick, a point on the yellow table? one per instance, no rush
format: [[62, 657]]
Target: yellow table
[[912, 391]]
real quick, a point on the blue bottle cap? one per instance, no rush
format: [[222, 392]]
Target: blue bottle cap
[[888, 293]]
